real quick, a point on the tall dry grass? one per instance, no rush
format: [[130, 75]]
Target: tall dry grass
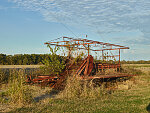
[[4, 75], [16, 91], [131, 70], [76, 88]]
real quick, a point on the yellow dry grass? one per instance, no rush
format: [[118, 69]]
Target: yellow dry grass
[[19, 66], [129, 96]]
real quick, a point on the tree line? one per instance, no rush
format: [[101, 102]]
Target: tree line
[[34, 59], [136, 62], [23, 59]]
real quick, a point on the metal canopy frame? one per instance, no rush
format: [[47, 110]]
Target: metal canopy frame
[[76, 42], [89, 45]]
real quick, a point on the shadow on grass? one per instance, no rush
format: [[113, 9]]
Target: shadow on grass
[[52, 94], [148, 108], [22, 110]]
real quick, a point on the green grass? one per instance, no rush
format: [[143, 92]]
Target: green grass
[[118, 102], [135, 98]]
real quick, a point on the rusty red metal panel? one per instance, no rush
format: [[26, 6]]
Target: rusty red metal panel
[[105, 76]]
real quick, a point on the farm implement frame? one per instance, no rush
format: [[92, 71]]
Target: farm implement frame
[[87, 68]]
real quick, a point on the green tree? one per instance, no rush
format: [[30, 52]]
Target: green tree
[[2, 59], [25, 60], [54, 64]]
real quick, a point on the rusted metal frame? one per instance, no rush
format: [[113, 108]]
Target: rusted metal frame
[[67, 45], [104, 49], [80, 39], [90, 68], [67, 37], [55, 42], [90, 49], [123, 47], [87, 66], [111, 49], [43, 78], [86, 47], [81, 67], [71, 46], [84, 44], [85, 40], [108, 44], [99, 64], [104, 76], [97, 42], [119, 56], [102, 55], [119, 60], [108, 66], [59, 82], [105, 66], [113, 56]]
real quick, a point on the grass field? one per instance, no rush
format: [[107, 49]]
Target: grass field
[[127, 96]]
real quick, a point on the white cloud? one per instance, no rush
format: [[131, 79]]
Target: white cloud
[[102, 15]]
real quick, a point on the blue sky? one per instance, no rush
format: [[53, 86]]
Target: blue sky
[[26, 24]]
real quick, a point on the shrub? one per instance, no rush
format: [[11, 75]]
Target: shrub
[[54, 64]]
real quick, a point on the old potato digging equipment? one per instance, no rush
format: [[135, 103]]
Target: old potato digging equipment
[[86, 68]]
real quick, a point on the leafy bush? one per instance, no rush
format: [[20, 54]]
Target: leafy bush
[[54, 64]]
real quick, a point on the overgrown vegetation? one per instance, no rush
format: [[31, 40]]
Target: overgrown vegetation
[[3, 76], [124, 96], [76, 88], [53, 64], [16, 92]]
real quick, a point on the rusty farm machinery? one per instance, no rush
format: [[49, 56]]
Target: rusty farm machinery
[[86, 68]]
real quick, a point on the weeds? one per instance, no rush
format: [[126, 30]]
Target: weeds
[[17, 92], [4, 75], [78, 96], [76, 88], [131, 70]]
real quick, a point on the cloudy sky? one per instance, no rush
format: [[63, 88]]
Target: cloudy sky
[[26, 24]]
